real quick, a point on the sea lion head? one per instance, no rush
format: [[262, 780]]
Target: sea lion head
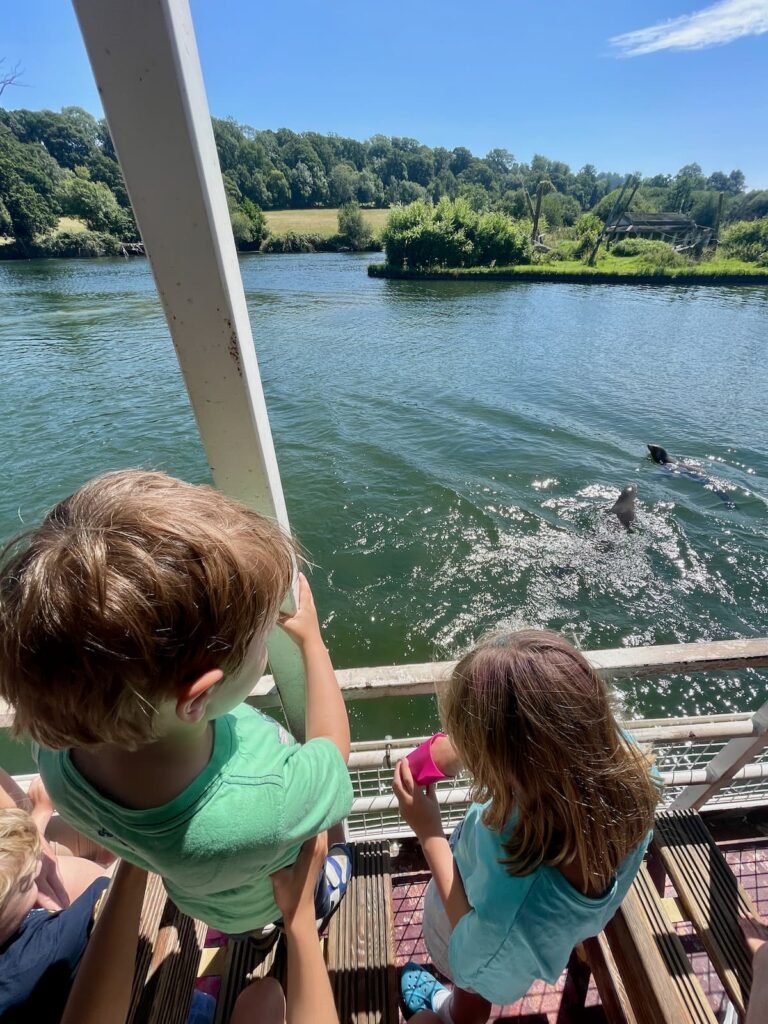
[[624, 508], [658, 454]]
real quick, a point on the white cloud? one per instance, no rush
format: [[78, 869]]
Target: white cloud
[[721, 23]]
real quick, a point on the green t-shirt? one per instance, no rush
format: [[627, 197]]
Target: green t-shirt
[[216, 844]]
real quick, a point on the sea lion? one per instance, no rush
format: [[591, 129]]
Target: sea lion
[[662, 458], [624, 507]]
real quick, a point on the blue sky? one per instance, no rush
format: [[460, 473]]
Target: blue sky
[[623, 85]]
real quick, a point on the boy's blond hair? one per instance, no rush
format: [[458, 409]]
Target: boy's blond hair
[[19, 851], [134, 585]]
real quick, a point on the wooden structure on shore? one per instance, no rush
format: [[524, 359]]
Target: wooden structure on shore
[[675, 228]]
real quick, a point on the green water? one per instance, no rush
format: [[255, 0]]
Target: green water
[[447, 449]]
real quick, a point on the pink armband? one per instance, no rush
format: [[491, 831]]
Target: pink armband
[[423, 767]]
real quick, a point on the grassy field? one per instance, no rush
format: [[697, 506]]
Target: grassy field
[[622, 270], [317, 222], [71, 224], [65, 224], [280, 222]]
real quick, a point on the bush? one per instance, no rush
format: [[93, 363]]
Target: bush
[[249, 225], [293, 242], [745, 240], [663, 259], [638, 247], [629, 247], [452, 234], [587, 228], [80, 243], [354, 231], [567, 249], [654, 255]]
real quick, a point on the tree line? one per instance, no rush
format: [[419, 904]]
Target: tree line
[[55, 164]]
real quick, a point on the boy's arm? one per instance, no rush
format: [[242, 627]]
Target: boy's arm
[[101, 991], [326, 713], [309, 991]]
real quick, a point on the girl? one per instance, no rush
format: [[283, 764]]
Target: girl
[[563, 814]]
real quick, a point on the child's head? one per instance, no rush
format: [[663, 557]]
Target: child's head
[[533, 724], [131, 590], [19, 867]]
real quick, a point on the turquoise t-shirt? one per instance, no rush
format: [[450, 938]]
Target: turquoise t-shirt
[[245, 816], [523, 928]]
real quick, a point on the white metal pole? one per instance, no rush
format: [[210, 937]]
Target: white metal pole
[[728, 764], [145, 61]]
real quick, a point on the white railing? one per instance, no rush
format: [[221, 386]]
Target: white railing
[[683, 750]]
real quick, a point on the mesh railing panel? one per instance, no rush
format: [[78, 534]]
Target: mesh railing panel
[[678, 759]]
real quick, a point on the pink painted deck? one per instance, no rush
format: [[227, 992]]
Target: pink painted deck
[[574, 999]]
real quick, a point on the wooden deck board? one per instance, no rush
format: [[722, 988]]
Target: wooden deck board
[[360, 948], [657, 974], [710, 895]]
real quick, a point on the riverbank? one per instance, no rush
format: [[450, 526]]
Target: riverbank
[[612, 270], [289, 231]]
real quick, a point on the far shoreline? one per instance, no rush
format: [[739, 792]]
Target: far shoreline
[[584, 275]]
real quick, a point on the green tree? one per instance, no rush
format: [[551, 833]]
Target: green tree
[[26, 211], [688, 180], [501, 161], [279, 189], [461, 158], [641, 202], [342, 184], [94, 203], [750, 206], [560, 210], [302, 185], [404, 192], [587, 188], [703, 207]]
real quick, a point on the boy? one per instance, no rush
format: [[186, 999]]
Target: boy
[[125, 622]]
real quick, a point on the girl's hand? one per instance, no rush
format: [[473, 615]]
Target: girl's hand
[[302, 626], [294, 886], [419, 807]]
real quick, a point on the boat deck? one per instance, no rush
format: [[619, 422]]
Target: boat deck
[[574, 999]]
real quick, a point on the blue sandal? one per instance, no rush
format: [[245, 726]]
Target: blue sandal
[[417, 987]]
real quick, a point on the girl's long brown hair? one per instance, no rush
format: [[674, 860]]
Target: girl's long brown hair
[[534, 726]]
